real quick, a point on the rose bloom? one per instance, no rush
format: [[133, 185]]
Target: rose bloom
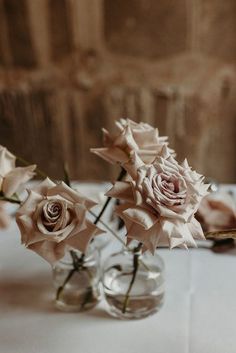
[[159, 202], [131, 136], [12, 177], [217, 211], [53, 219]]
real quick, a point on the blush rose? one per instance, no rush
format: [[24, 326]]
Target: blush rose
[[53, 219]]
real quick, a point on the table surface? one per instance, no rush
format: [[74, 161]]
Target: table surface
[[199, 313]]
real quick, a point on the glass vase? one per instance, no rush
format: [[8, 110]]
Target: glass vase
[[76, 279], [133, 284], [101, 241]]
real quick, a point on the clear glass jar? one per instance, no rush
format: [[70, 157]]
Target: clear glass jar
[[133, 284], [76, 279], [101, 241]]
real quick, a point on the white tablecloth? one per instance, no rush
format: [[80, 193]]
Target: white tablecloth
[[199, 314]]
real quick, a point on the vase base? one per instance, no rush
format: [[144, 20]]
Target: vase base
[[137, 308], [62, 306], [80, 301]]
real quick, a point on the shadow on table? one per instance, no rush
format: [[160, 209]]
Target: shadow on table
[[27, 294], [36, 294]]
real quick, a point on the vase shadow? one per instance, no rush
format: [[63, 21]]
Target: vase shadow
[[36, 294], [27, 294]]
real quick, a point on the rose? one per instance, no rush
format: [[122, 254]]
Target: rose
[[131, 136], [160, 202], [170, 189], [217, 212], [12, 177], [53, 218]]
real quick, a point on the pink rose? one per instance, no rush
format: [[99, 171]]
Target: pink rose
[[217, 212], [131, 136], [53, 219], [160, 201]]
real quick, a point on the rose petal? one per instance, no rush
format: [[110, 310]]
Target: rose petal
[[141, 216], [30, 203], [107, 138], [7, 161], [122, 190], [81, 240], [168, 213], [144, 137], [71, 195], [150, 238], [196, 229], [111, 154], [133, 164], [15, 178], [43, 187], [29, 233], [50, 251], [182, 229]]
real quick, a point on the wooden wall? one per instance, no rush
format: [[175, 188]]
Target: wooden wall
[[70, 67]]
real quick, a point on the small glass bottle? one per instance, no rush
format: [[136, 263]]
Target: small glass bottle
[[77, 280], [133, 284], [101, 241]]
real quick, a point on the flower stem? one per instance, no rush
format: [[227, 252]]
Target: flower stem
[[110, 229], [118, 238], [25, 162], [120, 177], [134, 273], [77, 266], [78, 261], [61, 288], [9, 199]]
